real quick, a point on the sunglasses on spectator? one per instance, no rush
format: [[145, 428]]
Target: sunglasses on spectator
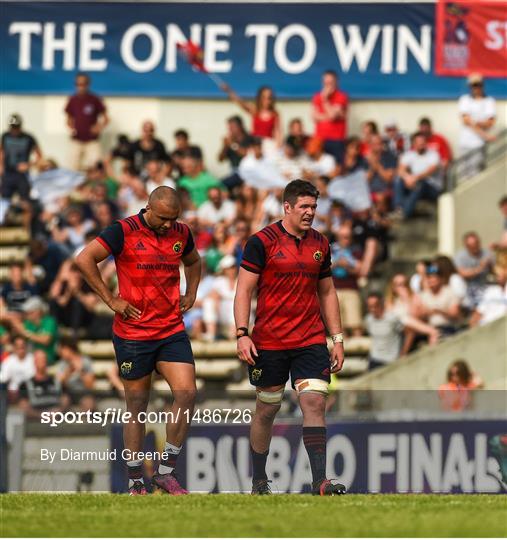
[[432, 270]]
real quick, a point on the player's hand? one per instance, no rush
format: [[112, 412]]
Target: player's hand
[[123, 308], [337, 357], [186, 302], [246, 350]]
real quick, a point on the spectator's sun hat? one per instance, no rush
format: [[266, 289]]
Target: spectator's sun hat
[[475, 78], [34, 303], [226, 262], [15, 120], [390, 123]]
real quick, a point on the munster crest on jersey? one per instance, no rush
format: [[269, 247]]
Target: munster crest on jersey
[[317, 256], [177, 246]]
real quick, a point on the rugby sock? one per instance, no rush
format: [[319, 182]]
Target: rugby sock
[[314, 439], [259, 464], [135, 469], [167, 465]]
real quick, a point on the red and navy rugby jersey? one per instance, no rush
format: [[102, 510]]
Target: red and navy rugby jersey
[[148, 275], [288, 308]]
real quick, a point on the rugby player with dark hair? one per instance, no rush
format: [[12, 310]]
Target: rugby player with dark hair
[[148, 330], [289, 265]]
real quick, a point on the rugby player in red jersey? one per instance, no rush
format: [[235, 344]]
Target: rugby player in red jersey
[[148, 330], [289, 265]]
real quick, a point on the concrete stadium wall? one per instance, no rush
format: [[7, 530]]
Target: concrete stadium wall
[[473, 206], [205, 119], [484, 348]]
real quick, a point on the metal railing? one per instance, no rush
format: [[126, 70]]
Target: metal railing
[[475, 161]]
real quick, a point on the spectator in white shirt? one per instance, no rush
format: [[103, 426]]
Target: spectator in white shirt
[[438, 305], [18, 367], [493, 304], [290, 160], [385, 330], [157, 175], [478, 115], [216, 209], [218, 307], [317, 163], [419, 176]]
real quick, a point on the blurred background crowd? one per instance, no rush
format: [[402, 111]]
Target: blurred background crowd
[[371, 184]]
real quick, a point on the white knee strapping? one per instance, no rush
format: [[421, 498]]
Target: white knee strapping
[[312, 385], [274, 398]]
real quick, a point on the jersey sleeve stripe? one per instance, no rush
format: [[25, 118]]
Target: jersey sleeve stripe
[[129, 224], [104, 243], [133, 225], [250, 267]]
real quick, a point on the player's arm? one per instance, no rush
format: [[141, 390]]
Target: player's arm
[[87, 261], [192, 268], [247, 284], [330, 309]]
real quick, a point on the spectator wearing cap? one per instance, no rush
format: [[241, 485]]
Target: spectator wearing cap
[[474, 263], [436, 142], [216, 209], [196, 179], [478, 115], [329, 112], [40, 329], [419, 176], [218, 308], [438, 305], [86, 118], [17, 368], [16, 150], [42, 392], [395, 141], [385, 330], [146, 148]]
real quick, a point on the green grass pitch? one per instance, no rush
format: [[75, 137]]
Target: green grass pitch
[[85, 515]]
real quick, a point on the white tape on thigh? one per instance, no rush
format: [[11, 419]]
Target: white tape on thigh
[[270, 397], [312, 385]]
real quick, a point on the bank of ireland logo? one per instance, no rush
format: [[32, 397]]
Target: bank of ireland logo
[[317, 256], [125, 368], [256, 374], [177, 246]]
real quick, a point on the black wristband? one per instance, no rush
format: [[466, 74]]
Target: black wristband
[[242, 331]]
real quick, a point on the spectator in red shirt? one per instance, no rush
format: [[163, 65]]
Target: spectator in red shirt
[[436, 142], [86, 118], [265, 117], [329, 112], [369, 130]]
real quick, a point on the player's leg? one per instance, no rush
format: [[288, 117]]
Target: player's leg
[[176, 365], [137, 394], [135, 366], [310, 372], [267, 405], [269, 376]]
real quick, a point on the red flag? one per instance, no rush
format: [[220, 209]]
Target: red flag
[[193, 54]]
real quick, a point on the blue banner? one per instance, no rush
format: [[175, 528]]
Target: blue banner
[[397, 457], [382, 51]]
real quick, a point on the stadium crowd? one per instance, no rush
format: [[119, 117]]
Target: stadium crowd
[[366, 182]]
